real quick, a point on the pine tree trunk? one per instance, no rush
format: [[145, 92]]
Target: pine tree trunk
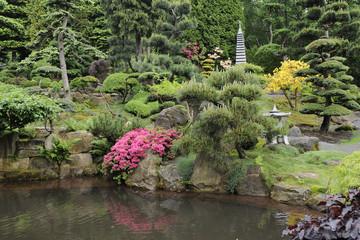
[[63, 62], [138, 48], [240, 151], [325, 124], [288, 98]]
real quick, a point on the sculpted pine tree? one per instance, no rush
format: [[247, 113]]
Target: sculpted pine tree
[[130, 19], [172, 24], [333, 94], [12, 32]]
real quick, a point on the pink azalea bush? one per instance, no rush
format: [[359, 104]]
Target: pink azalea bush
[[191, 50], [128, 151]]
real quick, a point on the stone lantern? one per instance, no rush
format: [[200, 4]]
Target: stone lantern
[[279, 115]]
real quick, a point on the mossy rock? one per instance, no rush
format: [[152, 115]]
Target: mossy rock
[[27, 175]]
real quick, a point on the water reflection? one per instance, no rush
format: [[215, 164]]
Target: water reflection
[[99, 211]]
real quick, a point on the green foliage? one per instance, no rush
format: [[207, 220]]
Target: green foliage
[[165, 89], [114, 80], [100, 147], [139, 108], [288, 151], [66, 104], [346, 175], [28, 84], [267, 57], [17, 108], [167, 104], [60, 152], [45, 83], [109, 127], [316, 189], [185, 164], [73, 125], [82, 82], [237, 174], [56, 86]]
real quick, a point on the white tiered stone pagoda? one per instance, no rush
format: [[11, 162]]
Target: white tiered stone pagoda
[[240, 47]]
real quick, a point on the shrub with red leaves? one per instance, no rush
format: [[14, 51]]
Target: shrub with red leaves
[[342, 220]]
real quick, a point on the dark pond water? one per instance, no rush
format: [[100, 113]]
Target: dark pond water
[[94, 209]]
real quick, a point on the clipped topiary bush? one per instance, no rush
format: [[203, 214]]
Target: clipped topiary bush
[[114, 80], [138, 108], [45, 83], [28, 84]]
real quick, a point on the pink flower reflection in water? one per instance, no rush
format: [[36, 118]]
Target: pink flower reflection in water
[[132, 219]]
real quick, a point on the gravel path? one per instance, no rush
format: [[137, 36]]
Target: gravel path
[[344, 147]]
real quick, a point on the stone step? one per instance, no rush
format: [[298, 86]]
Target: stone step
[[29, 144]]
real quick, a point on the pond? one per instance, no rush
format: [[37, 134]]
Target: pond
[[97, 209]]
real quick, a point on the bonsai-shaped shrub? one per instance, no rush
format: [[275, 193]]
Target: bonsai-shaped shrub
[[331, 95], [83, 82], [128, 151], [114, 80], [165, 89], [342, 220]]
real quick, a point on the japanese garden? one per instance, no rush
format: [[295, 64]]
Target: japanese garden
[[179, 119]]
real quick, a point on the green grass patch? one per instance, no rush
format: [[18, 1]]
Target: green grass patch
[[281, 165], [354, 140]]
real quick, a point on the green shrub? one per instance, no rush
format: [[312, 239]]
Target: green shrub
[[45, 83], [287, 151], [153, 117], [147, 78], [316, 189], [141, 96], [82, 82], [167, 104], [154, 107], [74, 125], [17, 108], [56, 86], [138, 107], [346, 175], [100, 147], [66, 104], [114, 80], [185, 166], [109, 127], [5, 79], [237, 174], [28, 84]]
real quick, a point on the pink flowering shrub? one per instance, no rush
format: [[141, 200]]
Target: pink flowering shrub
[[128, 151], [191, 50], [217, 53], [226, 64]]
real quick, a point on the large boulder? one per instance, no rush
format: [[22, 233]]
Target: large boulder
[[205, 178], [346, 118], [253, 183], [172, 117], [77, 97], [170, 179], [84, 144], [82, 160], [314, 200], [294, 195], [306, 143], [145, 176]]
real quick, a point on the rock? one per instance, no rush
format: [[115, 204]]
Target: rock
[[109, 98], [77, 97], [25, 153], [314, 200], [84, 144], [205, 178], [40, 163], [305, 175], [172, 117], [145, 176], [29, 144], [342, 119], [97, 100], [41, 132], [170, 179], [48, 141], [333, 163], [8, 144], [295, 132], [253, 183], [7, 164], [82, 160], [65, 171], [306, 143], [290, 194]]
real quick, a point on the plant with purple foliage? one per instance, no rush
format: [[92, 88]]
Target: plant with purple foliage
[[342, 220], [100, 69], [128, 151]]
